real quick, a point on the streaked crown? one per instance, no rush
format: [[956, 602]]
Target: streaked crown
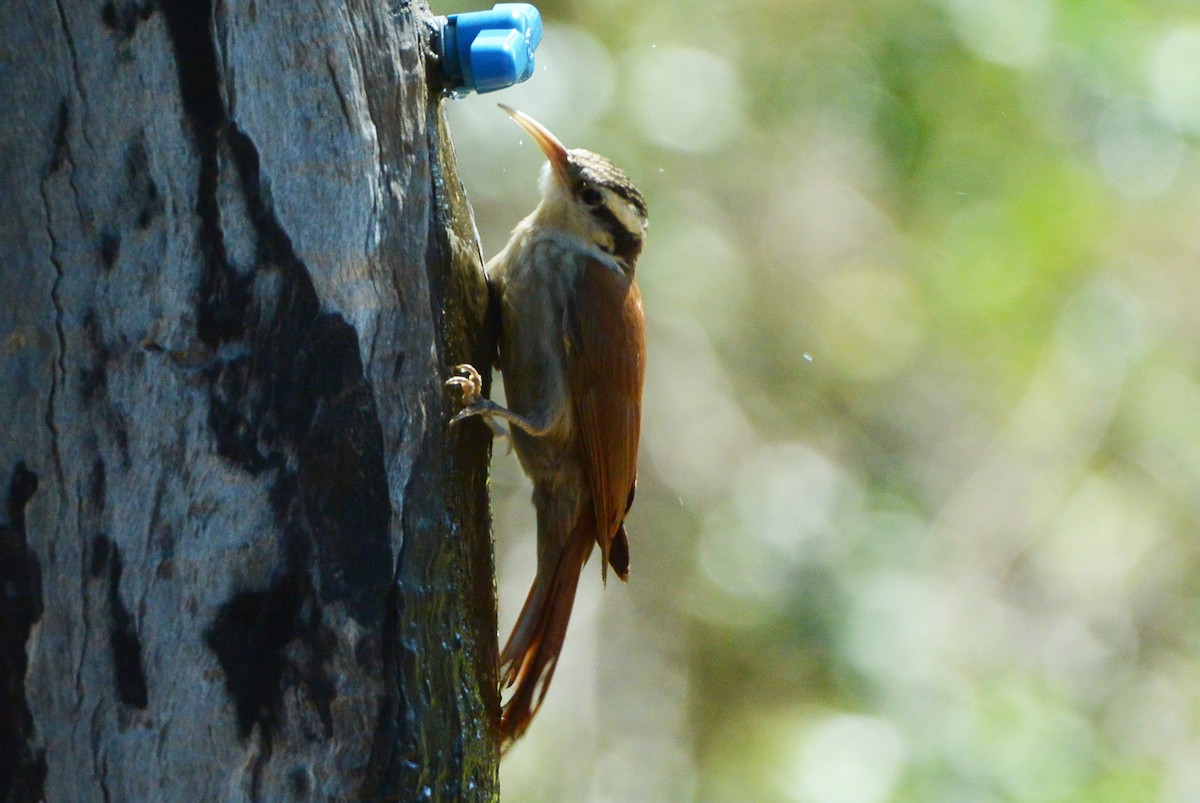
[[611, 200]]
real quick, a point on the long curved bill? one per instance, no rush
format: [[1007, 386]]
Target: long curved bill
[[555, 151]]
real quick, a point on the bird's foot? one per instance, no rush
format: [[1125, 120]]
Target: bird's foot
[[474, 404], [471, 387], [470, 384]]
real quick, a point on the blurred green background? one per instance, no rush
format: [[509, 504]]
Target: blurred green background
[[920, 472]]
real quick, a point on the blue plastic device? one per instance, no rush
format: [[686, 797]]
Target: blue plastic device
[[483, 51]]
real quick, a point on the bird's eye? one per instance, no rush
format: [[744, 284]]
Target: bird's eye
[[591, 196]]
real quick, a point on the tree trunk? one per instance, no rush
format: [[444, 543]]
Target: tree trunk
[[241, 554]]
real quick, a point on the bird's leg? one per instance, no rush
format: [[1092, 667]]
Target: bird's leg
[[471, 385]]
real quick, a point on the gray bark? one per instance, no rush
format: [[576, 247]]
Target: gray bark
[[241, 554]]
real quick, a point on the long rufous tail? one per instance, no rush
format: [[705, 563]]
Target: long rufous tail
[[529, 658]]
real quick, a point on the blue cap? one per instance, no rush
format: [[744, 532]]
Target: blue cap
[[483, 51]]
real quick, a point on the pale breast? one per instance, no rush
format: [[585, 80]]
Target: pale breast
[[532, 284]]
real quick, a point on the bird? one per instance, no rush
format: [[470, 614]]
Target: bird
[[572, 354]]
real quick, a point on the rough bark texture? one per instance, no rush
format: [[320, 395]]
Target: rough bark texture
[[241, 555]]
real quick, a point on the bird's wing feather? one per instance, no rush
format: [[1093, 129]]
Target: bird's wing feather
[[605, 334]]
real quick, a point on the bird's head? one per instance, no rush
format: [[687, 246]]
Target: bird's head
[[586, 195]]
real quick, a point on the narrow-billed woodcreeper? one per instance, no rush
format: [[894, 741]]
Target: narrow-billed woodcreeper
[[572, 352]]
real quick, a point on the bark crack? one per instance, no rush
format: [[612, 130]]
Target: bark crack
[[86, 619], [58, 372], [382, 169], [337, 87], [99, 757]]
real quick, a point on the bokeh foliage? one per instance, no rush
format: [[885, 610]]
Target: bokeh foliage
[[920, 476]]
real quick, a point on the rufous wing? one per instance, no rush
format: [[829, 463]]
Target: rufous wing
[[605, 334]]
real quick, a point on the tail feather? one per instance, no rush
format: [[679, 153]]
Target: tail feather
[[528, 660]]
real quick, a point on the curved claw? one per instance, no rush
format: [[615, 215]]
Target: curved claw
[[471, 388], [471, 385], [471, 374]]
